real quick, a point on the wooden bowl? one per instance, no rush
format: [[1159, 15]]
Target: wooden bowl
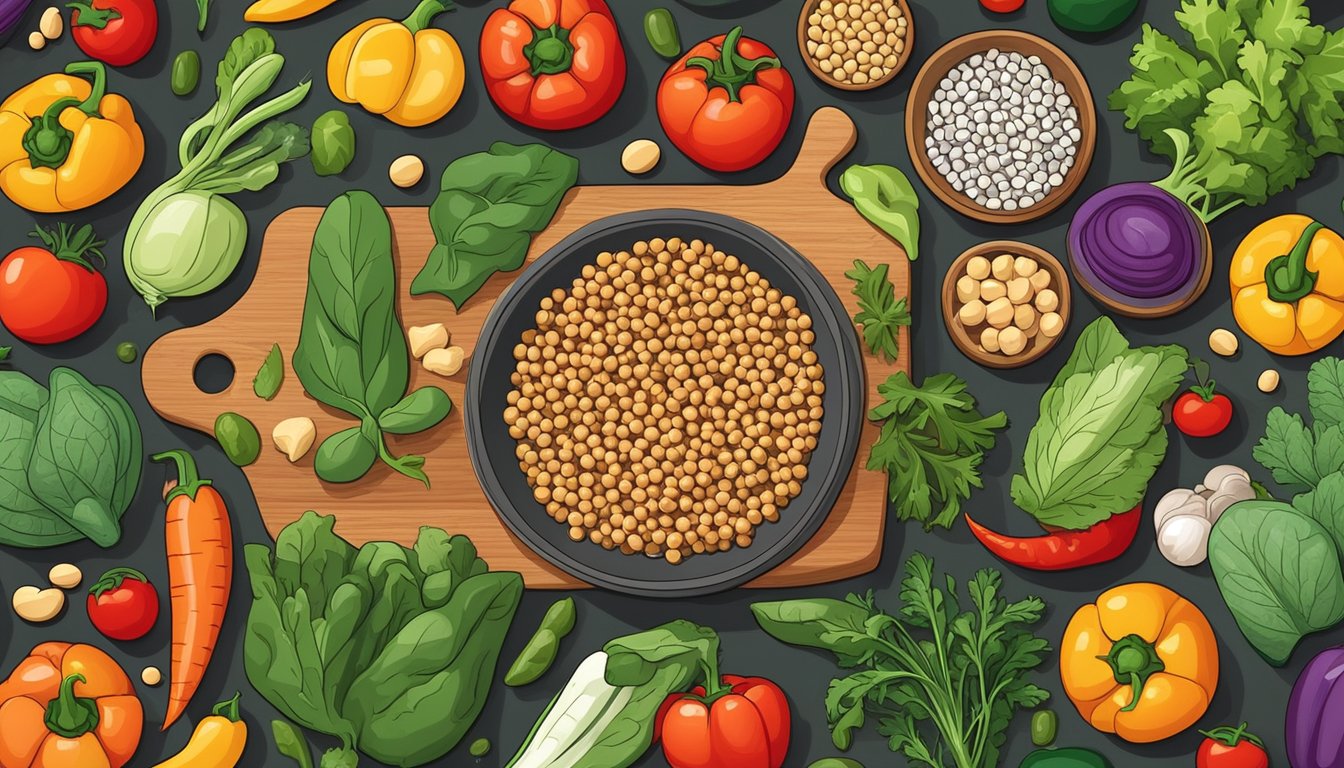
[[1062, 68], [811, 5], [1038, 345]]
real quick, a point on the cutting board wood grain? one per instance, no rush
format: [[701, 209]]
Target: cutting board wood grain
[[384, 505]]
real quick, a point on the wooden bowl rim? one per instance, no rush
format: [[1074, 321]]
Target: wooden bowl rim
[[1039, 343], [1161, 310], [1064, 69], [810, 5]]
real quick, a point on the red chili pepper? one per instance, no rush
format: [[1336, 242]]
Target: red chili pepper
[[1061, 550]]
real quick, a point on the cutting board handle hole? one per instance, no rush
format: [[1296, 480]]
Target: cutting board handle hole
[[213, 373]]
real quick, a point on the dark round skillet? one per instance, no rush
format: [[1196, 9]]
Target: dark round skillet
[[492, 449]]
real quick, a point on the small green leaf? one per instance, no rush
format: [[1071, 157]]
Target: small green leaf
[[290, 743], [266, 384], [4, 353]]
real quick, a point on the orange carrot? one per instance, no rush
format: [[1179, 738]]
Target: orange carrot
[[200, 572]]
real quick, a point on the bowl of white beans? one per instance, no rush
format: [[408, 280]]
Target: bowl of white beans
[[1001, 126]]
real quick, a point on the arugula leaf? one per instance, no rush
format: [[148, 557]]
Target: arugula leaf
[[917, 668], [931, 445], [489, 206], [880, 314]]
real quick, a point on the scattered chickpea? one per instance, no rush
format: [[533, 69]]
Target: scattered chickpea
[[151, 676], [52, 23], [667, 402], [1268, 381], [406, 171], [1223, 342], [36, 41]]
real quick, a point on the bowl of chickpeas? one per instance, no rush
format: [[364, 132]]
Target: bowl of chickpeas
[[1006, 303], [666, 403]]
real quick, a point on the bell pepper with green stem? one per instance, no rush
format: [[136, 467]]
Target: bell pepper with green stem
[[66, 143], [1287, 281]]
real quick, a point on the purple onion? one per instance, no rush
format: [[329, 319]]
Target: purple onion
[[1137, 245], [11, 13], [1314, 730]]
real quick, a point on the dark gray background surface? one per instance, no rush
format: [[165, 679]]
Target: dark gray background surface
[[1249, 689]]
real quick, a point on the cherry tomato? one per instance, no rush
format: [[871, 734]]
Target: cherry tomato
[[1002, 6], [1201, 412], [1226, 747], [118, 32], [123, 605], [53, 294]]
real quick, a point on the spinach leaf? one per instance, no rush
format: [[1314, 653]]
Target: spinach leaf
[[1325, 505], [266, 384], [351, 353], [24, 521], [1279, 573], [489, 206]]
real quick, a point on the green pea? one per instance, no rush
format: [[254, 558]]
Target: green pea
[[238, 437], [661, 30], [1044, 726], [836, 762], [127, 352], [540, 652], [186, 73], [480, 748], [345, 456]]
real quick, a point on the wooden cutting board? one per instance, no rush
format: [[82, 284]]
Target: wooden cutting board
[[384, 505]]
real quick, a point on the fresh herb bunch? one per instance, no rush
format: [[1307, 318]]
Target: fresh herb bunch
[[942, 683], [1298, 456], [1246, 108], [880, 314], [932, 443]]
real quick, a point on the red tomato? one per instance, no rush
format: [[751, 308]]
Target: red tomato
[[119, 32], [123, 605], [553, 64], [1002, 6], [1201, 412], [746, 725], [53, 294], [726, 103], [1227, 747]]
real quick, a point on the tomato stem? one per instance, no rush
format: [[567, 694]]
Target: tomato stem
[[89, 16], [69, 715], [113, 579], [1205, 390], [1287, 277], [73, 245], [1233, 736], [732, 71]]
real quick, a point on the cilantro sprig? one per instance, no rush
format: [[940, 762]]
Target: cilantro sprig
[[880, 314]]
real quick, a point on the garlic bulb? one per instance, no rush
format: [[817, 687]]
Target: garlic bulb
[[1185, 517]]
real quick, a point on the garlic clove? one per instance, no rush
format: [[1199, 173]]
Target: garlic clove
[[444, 362], [426, 338], [1215, 476], [1184, 540], [1179, 501], [293, 437]]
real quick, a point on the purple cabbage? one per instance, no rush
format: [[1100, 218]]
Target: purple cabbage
[[11, 13], [1138, 245], [1315, 726]]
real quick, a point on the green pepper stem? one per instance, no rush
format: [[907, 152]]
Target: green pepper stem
[[89, 16], [113, 579], [731, 70], [69, 715], [46, 141], [1133, 660], [229, 709], [1287, 276], [188, 479], [425, 12], [550, 52]]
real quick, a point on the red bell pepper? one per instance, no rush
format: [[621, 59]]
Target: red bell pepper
[[1061, 549], [553, 64], [727, 103], [742, 723]]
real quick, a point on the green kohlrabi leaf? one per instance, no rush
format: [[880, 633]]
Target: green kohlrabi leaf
[[489, 206], [1325, 505], [1325, 391]]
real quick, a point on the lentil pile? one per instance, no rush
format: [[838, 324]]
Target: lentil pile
[[1002, 130], [856, 42], [667, 402]]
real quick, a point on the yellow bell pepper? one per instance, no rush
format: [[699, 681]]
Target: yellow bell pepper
[[1141, 662], [1288, 285], [217, 742], [403, 70], [66, 144], [277, 11]]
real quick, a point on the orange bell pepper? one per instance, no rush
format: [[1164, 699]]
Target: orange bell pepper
[[1287, 280], [68, 706], [66, 143], [1141, 662]]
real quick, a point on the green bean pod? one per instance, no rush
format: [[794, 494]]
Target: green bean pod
[[540, 652], [661, 30]]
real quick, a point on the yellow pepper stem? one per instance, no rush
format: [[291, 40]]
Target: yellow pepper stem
[[425, 13], [1287, 277], [550, 52], [69, 715], [1133, 660], [47, 142], [229, 709]]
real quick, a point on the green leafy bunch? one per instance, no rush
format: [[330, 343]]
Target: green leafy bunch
[[942, 680], [1245, 108]]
